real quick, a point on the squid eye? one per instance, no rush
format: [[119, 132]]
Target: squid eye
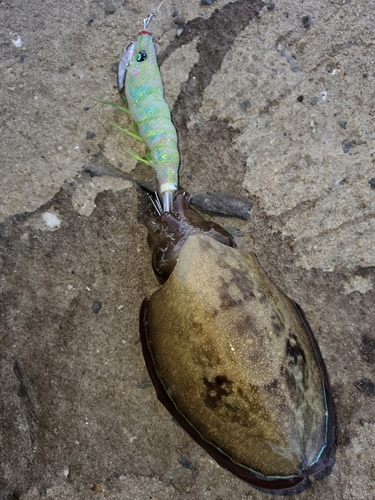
[[141, 56]]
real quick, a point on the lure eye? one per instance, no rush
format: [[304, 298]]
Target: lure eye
[[141, 56]]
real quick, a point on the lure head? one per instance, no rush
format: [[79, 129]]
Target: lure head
[[141, 67], [168, 232], [133, 57]]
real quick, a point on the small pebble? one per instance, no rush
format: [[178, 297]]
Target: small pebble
[[306, 21], [51, 220], [300, 98], [85, 108], [271, 6], [146, 383], [185, 462], [372, 182], [207, 2], [111, 9], [90, 135], [223, 204], [346, 146], [91, 18], [293, 63], [314, 101], [97, 488], [16, 40], [246, 104], [343, 124], [97, 305]]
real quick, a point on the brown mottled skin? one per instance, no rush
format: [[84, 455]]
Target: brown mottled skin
[[232, 357], [169, 231]]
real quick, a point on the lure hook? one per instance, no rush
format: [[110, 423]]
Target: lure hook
[[156, 203], [154, 13]]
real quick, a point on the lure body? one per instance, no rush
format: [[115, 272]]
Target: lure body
[[150, 112], [232, 358]]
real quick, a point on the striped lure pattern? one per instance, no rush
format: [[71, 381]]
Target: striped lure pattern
[[145, 97]]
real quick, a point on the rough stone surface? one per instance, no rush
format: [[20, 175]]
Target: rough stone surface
[[288, 143], [222, 204], [78, 416]]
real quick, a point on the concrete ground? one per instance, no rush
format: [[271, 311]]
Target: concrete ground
[[272, 102]]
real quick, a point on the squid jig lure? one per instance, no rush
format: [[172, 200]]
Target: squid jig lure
[[139, 77]]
